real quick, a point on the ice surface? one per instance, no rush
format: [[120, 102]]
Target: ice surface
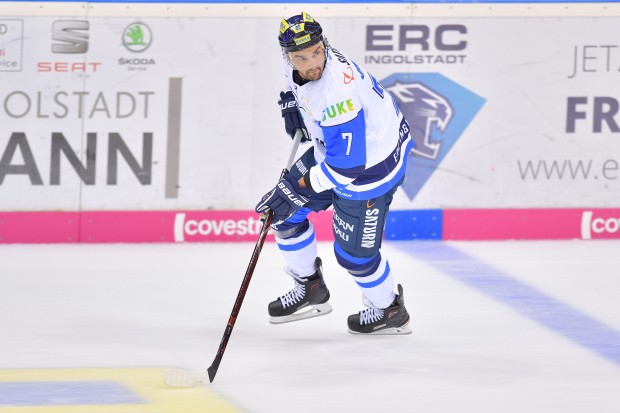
[[477, 344]]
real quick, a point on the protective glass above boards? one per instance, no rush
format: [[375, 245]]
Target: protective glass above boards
[[329, 1]]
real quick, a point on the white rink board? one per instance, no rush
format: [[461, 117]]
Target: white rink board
[[231, 140]]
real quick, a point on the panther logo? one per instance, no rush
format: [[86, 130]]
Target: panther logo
[[438, 111], [423, 108]]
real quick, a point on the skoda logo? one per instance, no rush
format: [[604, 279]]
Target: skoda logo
[[137, 37]]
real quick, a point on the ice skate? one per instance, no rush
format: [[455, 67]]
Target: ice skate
[[306, 300], [391, 320]]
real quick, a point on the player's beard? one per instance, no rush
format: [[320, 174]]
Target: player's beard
[[313, 74]]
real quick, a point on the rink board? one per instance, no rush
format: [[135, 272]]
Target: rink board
[[523, 113], [244, 226]]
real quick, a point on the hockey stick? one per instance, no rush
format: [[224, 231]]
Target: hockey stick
[[186, 378]]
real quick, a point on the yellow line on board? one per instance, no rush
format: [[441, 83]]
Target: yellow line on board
[[145, 383]]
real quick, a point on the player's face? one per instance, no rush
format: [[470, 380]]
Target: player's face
[[310, 61]]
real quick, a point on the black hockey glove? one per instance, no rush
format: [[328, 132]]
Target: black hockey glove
[[284, 200], [291, 115]]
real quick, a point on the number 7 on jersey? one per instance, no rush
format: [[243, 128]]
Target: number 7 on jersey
[[349, 137]]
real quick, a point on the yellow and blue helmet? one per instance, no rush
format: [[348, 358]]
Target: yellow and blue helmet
[[298, 32]]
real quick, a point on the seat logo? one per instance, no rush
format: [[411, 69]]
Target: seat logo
[[71, 36]]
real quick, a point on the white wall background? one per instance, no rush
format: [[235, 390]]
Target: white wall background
[[519, 58]]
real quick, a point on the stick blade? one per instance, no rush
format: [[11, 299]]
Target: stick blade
[[212, 370], [185, 378]]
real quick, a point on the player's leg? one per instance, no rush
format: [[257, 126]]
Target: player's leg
[[358, 230], [297, 242]]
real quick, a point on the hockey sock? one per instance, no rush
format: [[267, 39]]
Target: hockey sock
[[377, 286], [372, 275], [300, 251]]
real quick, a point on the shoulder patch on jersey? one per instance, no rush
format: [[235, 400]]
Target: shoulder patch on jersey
[[343, 69], [348, 75]]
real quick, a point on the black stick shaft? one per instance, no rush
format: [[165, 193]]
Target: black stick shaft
[[240, 296], [212, 370]]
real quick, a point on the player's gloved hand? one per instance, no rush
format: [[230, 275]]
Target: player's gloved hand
[[284, 200], [291, 115]]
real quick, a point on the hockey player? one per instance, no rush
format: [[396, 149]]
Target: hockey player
[[358, 160]]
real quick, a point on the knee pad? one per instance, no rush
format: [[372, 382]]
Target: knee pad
[[357, 266], [290, 229]]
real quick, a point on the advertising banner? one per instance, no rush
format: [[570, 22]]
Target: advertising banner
[[531, 224], [244, 226], [123, 113]]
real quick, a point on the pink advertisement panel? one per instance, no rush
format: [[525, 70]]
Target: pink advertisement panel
[[141, 226], [39, 227], [244, 226], [531, 224]]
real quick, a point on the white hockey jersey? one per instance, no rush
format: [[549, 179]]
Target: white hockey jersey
[[361, 139]]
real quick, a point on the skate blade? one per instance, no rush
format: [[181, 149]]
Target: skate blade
[[394, 331], [308, 312], [185, 378]]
